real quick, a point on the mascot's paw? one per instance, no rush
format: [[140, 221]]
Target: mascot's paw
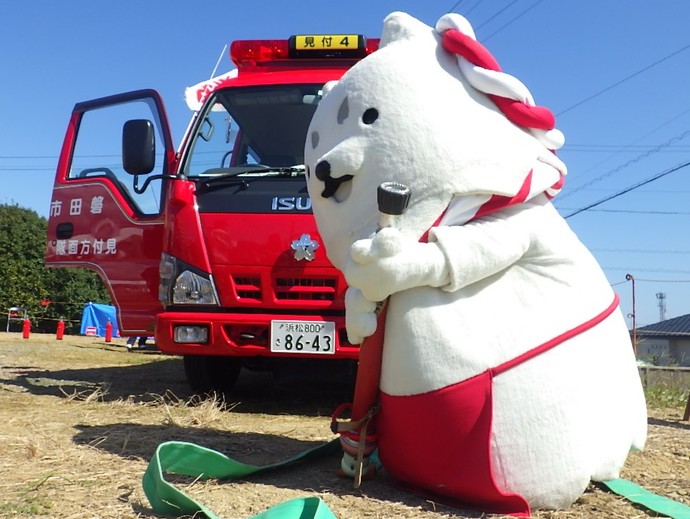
[[360, 316], [390, 262]]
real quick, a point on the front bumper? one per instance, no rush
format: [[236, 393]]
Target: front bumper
[[241, 335]]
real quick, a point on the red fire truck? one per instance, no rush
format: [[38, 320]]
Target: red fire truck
[[212, 248]]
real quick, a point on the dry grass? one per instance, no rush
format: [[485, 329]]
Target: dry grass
[[81, 419]]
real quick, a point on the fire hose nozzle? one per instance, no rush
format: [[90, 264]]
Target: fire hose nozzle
[[393, 199]]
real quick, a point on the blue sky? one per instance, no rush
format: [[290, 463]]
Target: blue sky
[[615, 72]]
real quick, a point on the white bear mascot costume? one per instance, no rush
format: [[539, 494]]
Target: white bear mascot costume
[[508, 378]]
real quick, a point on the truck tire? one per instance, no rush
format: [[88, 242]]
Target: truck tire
[[207, 374]]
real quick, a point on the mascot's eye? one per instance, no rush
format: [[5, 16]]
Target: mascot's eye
[[314, 140], [343, 111], [308, 172], [370, 115]]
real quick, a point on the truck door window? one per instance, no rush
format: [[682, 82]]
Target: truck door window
[[98, 153], [250, 126]]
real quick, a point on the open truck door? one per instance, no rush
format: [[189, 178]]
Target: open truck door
[[106, 211]]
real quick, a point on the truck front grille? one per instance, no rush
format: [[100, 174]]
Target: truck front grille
[[305, 288], [247, 287], [285, 288]]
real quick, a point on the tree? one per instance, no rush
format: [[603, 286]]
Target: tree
[[69, 289], [26, 282]]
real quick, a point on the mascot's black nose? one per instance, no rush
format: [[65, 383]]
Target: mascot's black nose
[[323, 170], [323, 173]]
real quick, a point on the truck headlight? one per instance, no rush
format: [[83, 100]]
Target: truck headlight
[[192, 289], [182, 284]]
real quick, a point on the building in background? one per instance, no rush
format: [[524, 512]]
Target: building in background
[[666, 343]]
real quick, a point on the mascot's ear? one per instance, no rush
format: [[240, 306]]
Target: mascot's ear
[[327, 88], [401, 26]]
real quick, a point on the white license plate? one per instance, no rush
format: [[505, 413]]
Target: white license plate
[[312, 337]]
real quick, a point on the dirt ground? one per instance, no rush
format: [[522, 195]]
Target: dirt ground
[[80, 419]]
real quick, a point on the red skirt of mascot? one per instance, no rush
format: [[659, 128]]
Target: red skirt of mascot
[[425, 439], [490, 395]]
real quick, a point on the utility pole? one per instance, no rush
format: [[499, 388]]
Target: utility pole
[[630, 277]]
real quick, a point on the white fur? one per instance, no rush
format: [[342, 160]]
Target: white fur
[[360, 319], [477, 294]]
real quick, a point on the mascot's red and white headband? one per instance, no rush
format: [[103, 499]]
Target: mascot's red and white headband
[[513, 98], [483, 72]]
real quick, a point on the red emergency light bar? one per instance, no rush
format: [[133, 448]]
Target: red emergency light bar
[[246, 53]]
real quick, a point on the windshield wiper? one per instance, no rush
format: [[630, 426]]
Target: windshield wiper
[[221, 175]]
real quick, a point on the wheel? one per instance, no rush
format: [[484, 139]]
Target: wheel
[[206, 374]]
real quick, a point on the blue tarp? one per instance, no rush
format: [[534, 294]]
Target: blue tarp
[[96, 316]]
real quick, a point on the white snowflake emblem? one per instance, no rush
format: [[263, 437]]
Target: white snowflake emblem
[[304, 248]]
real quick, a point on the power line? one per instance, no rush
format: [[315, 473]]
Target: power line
[[466, 12], [473, 7], [632, 211], [641, 251], [607, 148], [650, 191], [631, 188], [627, 269], [498, 13], [454, 6], [620, 146], [662, 280], [628, 163], [22, 157], [662, 125], [621, 81], [535, 4], [571, 147], [53, 157], [27, 168]]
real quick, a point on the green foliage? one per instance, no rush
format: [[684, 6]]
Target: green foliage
[[26, 282], [22, 243], [665, 395], [28, 505]]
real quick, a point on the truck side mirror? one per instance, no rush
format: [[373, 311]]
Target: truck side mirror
[[138, 147]]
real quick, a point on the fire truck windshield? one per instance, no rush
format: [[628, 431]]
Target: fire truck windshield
[[252, 131]]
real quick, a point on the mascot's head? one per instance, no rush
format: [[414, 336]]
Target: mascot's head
[[432, 110]]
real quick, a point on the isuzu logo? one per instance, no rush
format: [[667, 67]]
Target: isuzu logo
[[291, 203], [304, 248]]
